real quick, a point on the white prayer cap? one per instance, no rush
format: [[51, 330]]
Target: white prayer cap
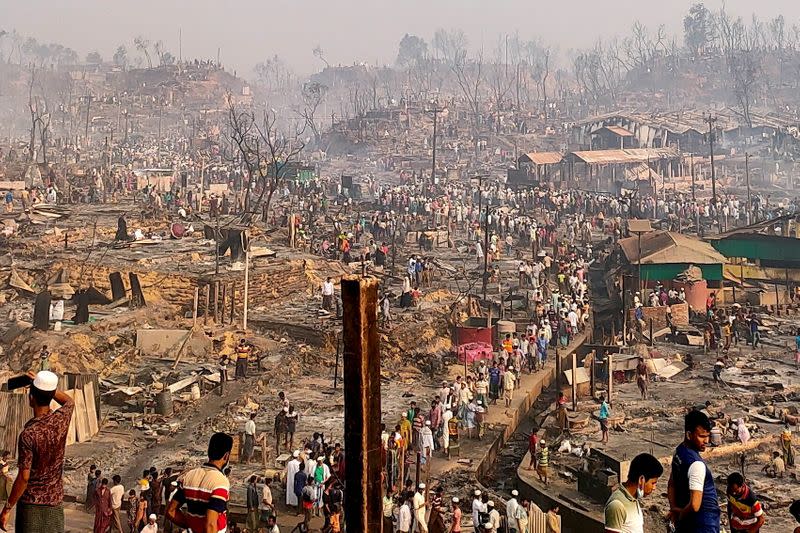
[[480, 402], [404, 414], [427, 422], [455, 499], [153, 517], [320, 458], [487, 526], [45, 381], [510, 367], [477, 492], [174, 483], [490, 503], [421, 486], [296, 454], [514, 492]]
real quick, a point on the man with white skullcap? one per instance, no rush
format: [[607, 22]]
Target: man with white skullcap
[[39, 488], [151, 526], [418, 502], [511, 512], [292, 467], [494, 516], [478, 508], [455, 527]]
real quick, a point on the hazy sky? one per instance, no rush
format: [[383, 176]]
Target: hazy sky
[[247, 31]]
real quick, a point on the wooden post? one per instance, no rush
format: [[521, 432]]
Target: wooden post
[[222, 304], [652, 340], [208, 301], [558, 369], [246, 287], [574, 381], [592, 380], [777, 306], [194, 308], [610, 386], [233, 300], [216, 301], [362, 405]]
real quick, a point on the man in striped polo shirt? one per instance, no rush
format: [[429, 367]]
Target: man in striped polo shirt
[[201, 501]]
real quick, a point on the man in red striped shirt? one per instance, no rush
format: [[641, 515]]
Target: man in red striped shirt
[[201, 501]]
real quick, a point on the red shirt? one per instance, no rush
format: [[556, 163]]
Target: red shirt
[[41, 449], [533, 440]]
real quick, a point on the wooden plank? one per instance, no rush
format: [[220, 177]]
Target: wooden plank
[[14, 413], [81, 418], [91, 412], [71, 436]]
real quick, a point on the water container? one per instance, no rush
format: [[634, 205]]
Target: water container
[[164, 403], [716, 436]]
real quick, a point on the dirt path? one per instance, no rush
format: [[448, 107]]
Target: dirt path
[[208, 407]]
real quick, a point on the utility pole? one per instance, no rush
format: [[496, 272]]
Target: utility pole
[[711, 120], [435, 111], [747, 178], [88, 108], [485, 251], [245, 240], [362, 405]]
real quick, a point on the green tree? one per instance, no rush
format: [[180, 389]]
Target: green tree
[[412, 50], [697, 26]]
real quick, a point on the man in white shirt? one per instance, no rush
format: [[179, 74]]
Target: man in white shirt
[[404, 518], [327, 294], [494, 517], [117, 492], [478, 507], [249, 439], [151, 526], [292, 467], [266, 498], [420, 525], [511, 512]]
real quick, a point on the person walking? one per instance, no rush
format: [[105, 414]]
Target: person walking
[[605, 412], [252, 501], [117, 493], [243, 352], [249, 439], [103, 507], [455, 525]]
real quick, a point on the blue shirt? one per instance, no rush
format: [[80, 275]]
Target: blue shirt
[[706, 520], [494, 375], [603, 411]]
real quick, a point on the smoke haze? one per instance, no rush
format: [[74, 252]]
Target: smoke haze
[[247, 31]]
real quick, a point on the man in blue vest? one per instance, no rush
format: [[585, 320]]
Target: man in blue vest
[[694, 506]]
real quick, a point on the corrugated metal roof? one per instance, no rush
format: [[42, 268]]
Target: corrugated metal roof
[[664, 247], [542, 158], [616, 130], [633, 155], [638, 225]]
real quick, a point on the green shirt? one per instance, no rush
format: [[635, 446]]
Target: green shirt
[[623, 513], [544, 456]]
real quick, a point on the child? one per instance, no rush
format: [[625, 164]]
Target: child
[[335, 519]]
